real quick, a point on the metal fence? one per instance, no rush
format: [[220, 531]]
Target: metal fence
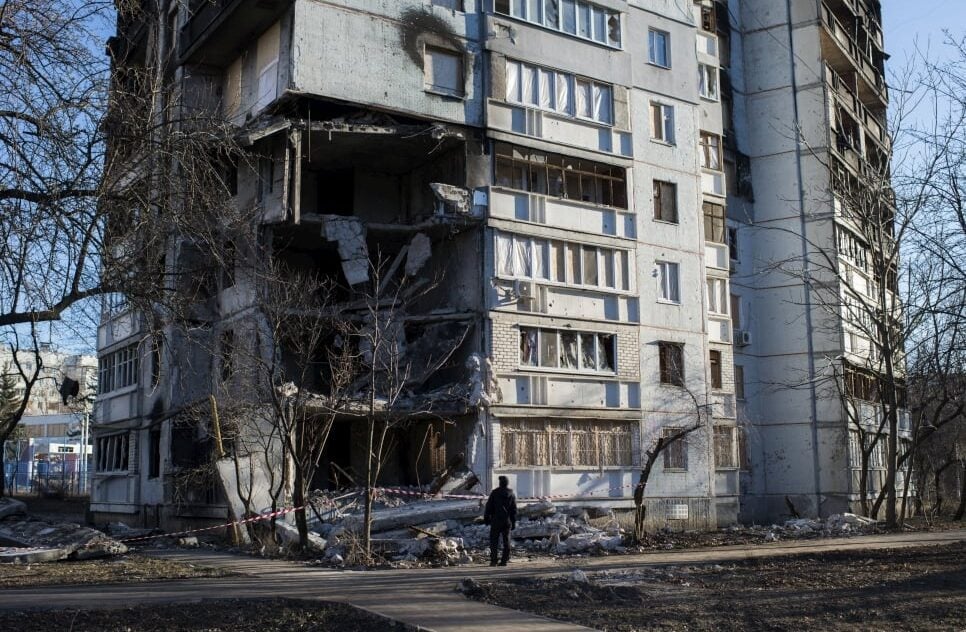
[[60, 481]]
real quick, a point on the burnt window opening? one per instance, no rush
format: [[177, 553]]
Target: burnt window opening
[[266, 179], [226, 355], [183, 449], [334, 190], [112, 453], [154, 453]]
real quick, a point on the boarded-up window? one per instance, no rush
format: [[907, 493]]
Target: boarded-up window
[[725, 448], [579, 443], [443, 71], [676, 453]]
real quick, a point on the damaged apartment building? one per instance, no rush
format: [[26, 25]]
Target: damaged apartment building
[[557, 190]]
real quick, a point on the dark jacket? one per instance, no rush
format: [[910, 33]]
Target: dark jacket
[[501, 509]]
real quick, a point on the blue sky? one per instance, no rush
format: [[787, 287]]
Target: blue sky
[[905, 21]]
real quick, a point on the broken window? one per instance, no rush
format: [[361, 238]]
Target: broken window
[[227, 354], [443, 71], [676, 454], [662, 123], [576, 17], [154, 453], [714, 222], [710, 145], [733, 244], [725, 447], [112, 453], [708, 81], [715, 361], [455, 5], [665, 201], [670, 284], [540, 172], [578, 443], [552, 348], [671, 359], [118, 369]]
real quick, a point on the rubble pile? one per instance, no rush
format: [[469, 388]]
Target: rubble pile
[[29, 540], [451, 531], [834, 526]]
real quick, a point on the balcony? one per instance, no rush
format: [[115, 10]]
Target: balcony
[[217, 29], [842, 52], [845, 95]]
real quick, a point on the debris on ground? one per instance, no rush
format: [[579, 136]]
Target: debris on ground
[[27, 539]]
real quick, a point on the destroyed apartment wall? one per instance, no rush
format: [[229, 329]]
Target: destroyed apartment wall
[[410, 57]]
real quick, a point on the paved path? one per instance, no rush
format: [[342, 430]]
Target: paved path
[[421, 597]]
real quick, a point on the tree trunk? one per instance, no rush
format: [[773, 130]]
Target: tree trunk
[[891, 496], [3, 467], [961, 510], [298, 498]]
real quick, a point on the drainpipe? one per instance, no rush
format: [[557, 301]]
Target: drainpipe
[[806, 269]]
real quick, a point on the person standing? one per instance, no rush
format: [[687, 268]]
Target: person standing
[[501, 516]]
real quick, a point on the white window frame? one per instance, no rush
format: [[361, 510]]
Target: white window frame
[[719, 296], [118, 369], [708, 82], [663, 133], [669, 282], [556, 443], [653, 57], [113, 453], [537, 336], [559, 92], [588, 21], [532, 259]]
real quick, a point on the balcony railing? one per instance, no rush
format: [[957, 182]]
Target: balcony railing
[[854, 53]]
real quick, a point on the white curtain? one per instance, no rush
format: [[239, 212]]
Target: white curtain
[[546, 89], [504, 254], [528, 84], [522, 258], [541, 252], [584, 98], [563, 93], [513, 81], [602, 103]]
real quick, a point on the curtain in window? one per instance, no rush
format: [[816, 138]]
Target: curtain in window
[[568, 350], [605, 345], [602, 103], [584, 98], [546, 89], [528, 347], [522, 258], [504, 254], [528, 84], [541, 252], [588, 352], [513, 81], [563, 93]]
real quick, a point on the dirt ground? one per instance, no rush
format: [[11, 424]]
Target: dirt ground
[[205, 616], [121, 569], [902, 589]]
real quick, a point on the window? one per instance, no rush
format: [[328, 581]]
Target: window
[[718, 298], [733, 244], [118, 369], [154, 453], [443, 71], [672, 363], [670, 286], [560, 349], [114, 303], [227, 354], [715, 361], [662, 123], [710, 151], [739, 381], [559, 92], [665, 201], [708, 19], [559, 176], [735, 310], [266, 179], [708, 81], [557, 261], [583, 443], [576, 17], [676, 453], [658, 48], [725, 448], [455, 5], [112, 453], [714, 222]]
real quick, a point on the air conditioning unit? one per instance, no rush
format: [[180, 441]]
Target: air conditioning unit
[[524, 291], [742, 337]]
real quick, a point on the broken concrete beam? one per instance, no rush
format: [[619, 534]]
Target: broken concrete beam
[[79, 542], [11, 507], [536, 509], [452, 198], [289, 535], [18, 555], [420, 250], [540, 530], [349, 233], [462, 479], [417, 514]]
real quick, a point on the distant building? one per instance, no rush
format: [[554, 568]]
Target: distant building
[[45, 396]]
